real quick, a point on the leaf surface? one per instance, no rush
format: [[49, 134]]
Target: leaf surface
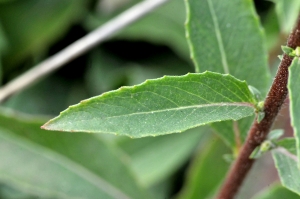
[[52, 164], [288, 171], [228, 42], [162, 106], [294, 94]]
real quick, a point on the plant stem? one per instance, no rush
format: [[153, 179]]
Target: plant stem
[[259, 131]]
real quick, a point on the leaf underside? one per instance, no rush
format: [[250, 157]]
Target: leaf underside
[[162, 106]]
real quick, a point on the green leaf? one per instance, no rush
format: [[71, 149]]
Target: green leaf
[[233, 133], [260, 116], [217, 43], [276, 192], [206, 172], [217, 40], [152, 158], [287, 12], [70, 165], [256, 93], [294, 94], [275, 134], [289, 173], [289, 144], [161, 106], [32, 25], [267, 145], [297, 51], [287, 50], [256, 153], [9, 192], [72, 182]]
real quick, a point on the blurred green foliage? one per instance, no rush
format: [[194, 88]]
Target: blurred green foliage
[[39, 164]]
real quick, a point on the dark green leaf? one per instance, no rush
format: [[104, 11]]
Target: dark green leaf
[[39, 98], [161, 106], [31, 25], [272, 30]]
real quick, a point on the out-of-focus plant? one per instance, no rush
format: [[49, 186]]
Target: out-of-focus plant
[[225, 110]]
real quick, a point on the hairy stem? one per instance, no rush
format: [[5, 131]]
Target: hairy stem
[[259, 131]]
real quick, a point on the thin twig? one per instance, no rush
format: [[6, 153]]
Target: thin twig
[[259, 131], [79, 47]]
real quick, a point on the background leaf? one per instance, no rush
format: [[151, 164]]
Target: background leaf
[[107, 70], [287, 12], [294, 94], [153, 158], [206, 171], [159, 106], [217, 40], [289, 144], [62, 165], [228, 42], [276, 192], [288, 171], [3, 46], [35, 24], [164, 26]]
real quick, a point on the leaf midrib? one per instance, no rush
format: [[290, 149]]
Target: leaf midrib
[[219, 37], [245, 104]]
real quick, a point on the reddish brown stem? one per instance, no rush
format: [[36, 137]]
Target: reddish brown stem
[[259, 131]]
